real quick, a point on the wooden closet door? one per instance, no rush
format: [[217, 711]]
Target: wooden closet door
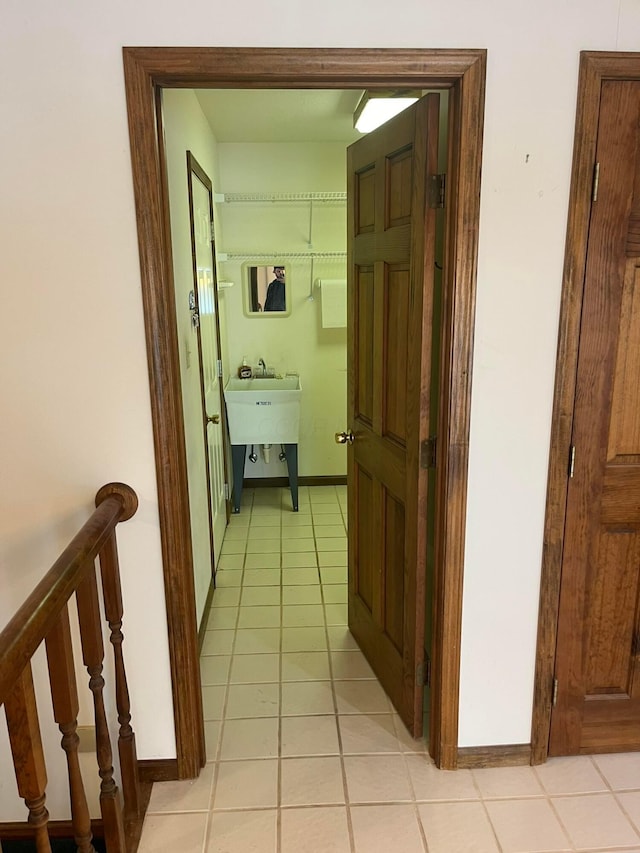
[[597, 658]]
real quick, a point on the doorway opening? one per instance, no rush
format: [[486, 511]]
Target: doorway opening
[[279, 157], [147, 71]]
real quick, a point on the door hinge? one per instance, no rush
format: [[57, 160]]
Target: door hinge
[[572, 459], [554, 693], [423, 672], [227, 494], [596, 181], [213, 232], [428, 452], [219, 363], [436, 190]]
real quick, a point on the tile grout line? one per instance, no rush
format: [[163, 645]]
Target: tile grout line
[[558, 817], [279, 747], [218, 751], [345, 785], [421, 829], [624, 811], [487, 815], [600, 772]]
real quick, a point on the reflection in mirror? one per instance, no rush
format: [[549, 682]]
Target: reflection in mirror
[[267, 289]]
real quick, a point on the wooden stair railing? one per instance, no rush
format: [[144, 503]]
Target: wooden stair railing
[[44, 616]]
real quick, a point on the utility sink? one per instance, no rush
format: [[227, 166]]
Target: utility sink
[[263, 410]]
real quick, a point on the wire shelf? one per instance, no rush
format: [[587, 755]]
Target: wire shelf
[[281, 197], [269, 256]]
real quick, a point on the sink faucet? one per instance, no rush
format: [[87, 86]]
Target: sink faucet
[[262, 364]]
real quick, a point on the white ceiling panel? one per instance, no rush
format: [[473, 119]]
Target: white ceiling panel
[[280, 115]]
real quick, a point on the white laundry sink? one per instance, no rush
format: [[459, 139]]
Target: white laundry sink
[[263, 411]]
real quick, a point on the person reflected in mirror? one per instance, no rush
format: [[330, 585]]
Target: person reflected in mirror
[[276, 300]]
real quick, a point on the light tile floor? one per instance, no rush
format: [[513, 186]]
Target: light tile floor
[[305, 752]]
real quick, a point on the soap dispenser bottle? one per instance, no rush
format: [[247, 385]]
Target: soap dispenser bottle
[[244, 371]]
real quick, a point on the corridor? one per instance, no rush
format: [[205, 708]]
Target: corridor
[[305, 754]]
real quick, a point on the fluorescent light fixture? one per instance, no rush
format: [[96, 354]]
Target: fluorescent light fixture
[[376, 108]]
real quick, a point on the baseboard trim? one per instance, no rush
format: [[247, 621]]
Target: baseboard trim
[[275, 482], [63, 829], [510, 755], [133, 827], [19, 831], [158, 770], [205, 615]]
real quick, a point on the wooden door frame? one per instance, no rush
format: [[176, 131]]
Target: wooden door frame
[[149, 69], [595, 68]]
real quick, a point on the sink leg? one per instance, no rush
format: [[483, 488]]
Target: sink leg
[[291, 453], [238, 454]]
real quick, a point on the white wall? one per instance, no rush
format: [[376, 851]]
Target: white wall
[[296, 342], [75, 400]]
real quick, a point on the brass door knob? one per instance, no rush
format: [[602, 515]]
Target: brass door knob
[[345, 437], [213, 419]]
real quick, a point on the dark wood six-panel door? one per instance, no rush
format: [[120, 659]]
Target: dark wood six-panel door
[[598, 649], [391, 232]]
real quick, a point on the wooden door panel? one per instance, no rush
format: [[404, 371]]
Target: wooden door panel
[[394, 570], [621, 495], [367, 544], [598, 625], [394, 245], [396, 352], [364, 332], [611, 617], [399, 167], [364, 190], [377, 603], [382, 459], [624, 431], [612, 733], [633, 236], [391, 263]]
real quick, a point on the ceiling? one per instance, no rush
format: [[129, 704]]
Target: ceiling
[[280, 115]]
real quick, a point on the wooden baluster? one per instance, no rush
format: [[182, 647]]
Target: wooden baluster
[[93, 655], [112, 592], [28, 757], [64, 695]]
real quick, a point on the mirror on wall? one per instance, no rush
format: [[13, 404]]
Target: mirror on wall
[[266, 290]]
